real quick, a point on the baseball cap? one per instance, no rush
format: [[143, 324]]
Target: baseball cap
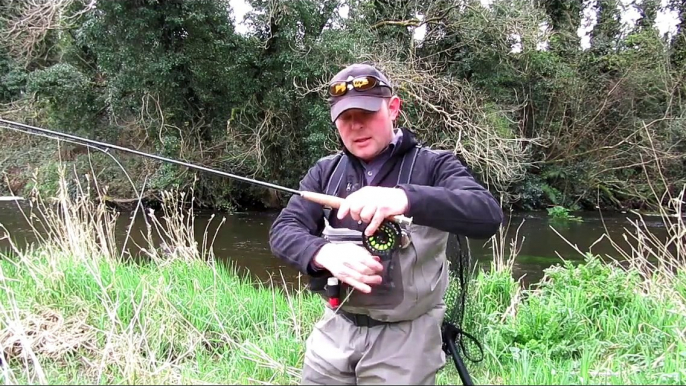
[[364, 88]]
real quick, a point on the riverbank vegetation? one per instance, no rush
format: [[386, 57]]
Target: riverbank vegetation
[[78, 309], [543, 116]]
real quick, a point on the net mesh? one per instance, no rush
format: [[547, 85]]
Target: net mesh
[[456, 299]]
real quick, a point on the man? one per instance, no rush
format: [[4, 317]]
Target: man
[[388, 327]]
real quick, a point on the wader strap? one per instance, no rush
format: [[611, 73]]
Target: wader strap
[[409, 158], [337, 176]]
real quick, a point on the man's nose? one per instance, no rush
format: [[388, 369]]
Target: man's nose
[[356, 122]]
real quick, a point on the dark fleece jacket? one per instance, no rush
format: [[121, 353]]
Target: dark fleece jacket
[[442, 194]]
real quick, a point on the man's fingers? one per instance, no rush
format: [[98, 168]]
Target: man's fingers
[[368, 212], [357, 285], [347, 205], [355, 209], [360, 282], [374, 223], [366, 267], [343, 209], [374, 263], [373, 279], [360, 271], [359, 267]]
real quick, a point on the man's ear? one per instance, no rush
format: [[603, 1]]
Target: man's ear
[[394, 107]]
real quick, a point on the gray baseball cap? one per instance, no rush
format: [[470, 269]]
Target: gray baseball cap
[[370, 99]]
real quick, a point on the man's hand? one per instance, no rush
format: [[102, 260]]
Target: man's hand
[[351, 264], [372, 204]]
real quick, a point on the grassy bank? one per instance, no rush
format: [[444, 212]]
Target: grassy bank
[[76, 310], [587, 324]]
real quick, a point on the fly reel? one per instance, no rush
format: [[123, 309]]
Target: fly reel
[[386, 239]]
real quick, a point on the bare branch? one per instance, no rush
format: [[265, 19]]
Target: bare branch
[[415, 22], [403, 23], [450, 115], [29, 21]]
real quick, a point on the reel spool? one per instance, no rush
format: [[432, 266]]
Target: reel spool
[[385, 240]]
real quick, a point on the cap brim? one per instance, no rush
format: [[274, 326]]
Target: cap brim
[[369, 103]]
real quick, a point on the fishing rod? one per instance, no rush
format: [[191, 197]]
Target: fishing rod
[[385, 239]]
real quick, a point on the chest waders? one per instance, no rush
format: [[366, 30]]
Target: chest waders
[[398, 237]]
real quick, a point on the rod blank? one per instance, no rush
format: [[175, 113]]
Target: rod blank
[[323, 199]]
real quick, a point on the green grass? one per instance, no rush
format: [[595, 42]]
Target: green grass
[[124, 323], [97, 321], [592, 323], [73, 311]]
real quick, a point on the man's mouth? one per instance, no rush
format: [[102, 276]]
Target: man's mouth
[[361, 140]]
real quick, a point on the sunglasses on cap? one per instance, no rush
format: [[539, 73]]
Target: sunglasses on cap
[[360, 83]]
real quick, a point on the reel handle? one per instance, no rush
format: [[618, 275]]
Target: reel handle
[[335, 202]]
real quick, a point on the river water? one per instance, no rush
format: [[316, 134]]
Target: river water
[[243, 239]]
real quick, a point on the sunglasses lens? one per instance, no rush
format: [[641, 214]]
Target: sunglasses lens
[[364, 83], [338, 89]]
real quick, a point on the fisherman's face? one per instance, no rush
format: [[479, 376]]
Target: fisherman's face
[[366, 134]]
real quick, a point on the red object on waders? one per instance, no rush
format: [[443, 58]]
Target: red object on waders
[[333, 292]]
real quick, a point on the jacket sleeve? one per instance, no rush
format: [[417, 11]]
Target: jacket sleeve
[[294, 235], [455, 202]]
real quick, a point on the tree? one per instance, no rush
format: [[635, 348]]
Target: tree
[[565, 19], [678, 44]]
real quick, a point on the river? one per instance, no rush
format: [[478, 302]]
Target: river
[[243, 239]]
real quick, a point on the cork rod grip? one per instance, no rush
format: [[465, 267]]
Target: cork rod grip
[[335, 202], [323, 199]]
